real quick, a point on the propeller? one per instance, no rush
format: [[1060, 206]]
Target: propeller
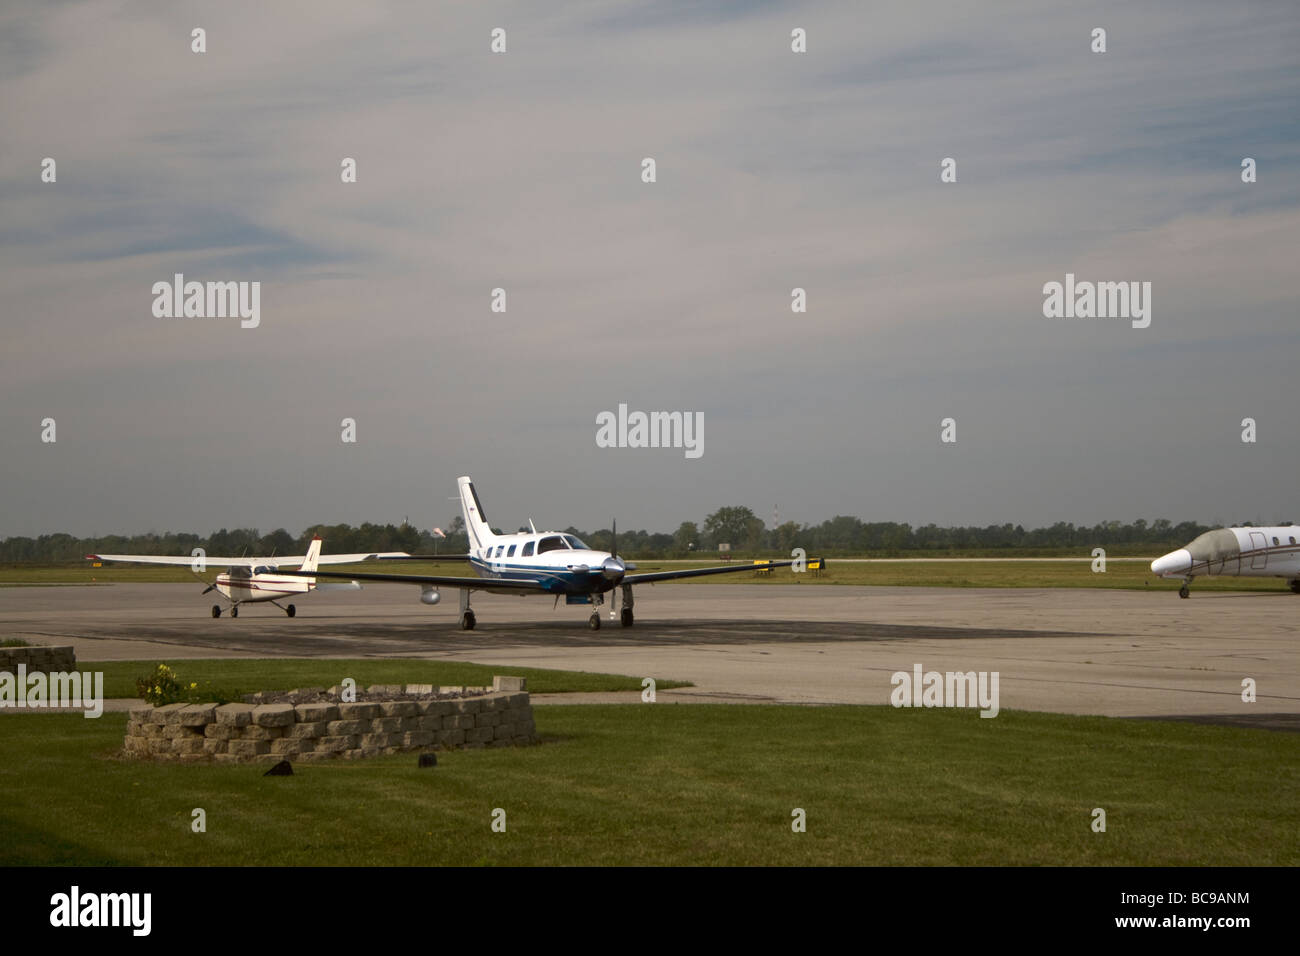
[[613, 567]]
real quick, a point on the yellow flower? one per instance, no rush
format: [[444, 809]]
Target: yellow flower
[[193, 685]]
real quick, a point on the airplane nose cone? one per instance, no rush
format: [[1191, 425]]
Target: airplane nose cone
[[1175, 562], [613, 568]]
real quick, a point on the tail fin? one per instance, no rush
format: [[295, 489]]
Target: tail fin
[[480, 533], [313, 555]]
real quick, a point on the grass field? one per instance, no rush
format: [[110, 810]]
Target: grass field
[[680, 784], [971, 573], [229, 679]]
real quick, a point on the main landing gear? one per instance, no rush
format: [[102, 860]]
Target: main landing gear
[[1185, 591], [1295, 587], [216, 610], [625, 616], [467, 620], [290, 610]]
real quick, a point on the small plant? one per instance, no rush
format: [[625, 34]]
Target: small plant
[[15, 642], [161, 687]]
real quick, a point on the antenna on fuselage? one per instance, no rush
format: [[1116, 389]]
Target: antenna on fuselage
[[531, 525]]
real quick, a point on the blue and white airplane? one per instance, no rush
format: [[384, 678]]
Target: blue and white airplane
[[1249, 552], [541, 562]]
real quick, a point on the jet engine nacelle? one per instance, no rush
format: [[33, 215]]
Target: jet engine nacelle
[[430, 595]]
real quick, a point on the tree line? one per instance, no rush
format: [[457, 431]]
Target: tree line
[[734, 526]]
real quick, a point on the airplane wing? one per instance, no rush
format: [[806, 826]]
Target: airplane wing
[[182, 559], [653, 576], [347, 558], [500, 586]]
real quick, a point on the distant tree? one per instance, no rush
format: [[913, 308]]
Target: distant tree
[[730, 525], [687, 535]]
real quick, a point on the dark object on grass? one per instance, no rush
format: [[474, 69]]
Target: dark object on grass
[[282, 769], [428, 760]]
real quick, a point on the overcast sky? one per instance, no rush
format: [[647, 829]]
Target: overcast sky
[[522, 170]]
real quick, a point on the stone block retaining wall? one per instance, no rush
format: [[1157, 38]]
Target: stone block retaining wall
[[244, 733]]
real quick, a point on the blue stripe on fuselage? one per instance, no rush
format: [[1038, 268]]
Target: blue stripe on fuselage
[[553, 580]]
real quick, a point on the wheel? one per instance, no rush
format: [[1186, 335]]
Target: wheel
[[234, 612], [1295, 587], [467, 621], [1184, 592], [291, 610], [593, 622], [627, 617], [216, 610]]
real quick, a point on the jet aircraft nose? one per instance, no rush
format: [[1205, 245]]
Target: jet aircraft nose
[[1175, 562]]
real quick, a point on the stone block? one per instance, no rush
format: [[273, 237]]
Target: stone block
[[317, 713], [471, 706], [384, 725], [435, 708], [236, 715], [510, 683], [274, 715], [429, 723], [306, 730], [290, 747], [337, 727], [358, 711], [263, 733], [248, 748], [337, 742], [198, 715], [398, 708]]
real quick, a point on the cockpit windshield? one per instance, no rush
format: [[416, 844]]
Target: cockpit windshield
[[554, 542], [576, 543], [1214, 546]]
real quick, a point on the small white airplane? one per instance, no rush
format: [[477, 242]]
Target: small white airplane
[[1249, 552], [543, 562], [254, 580]]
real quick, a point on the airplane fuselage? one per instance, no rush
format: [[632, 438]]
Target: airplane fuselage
[[244, 587], [1247, 552], [561, 563]]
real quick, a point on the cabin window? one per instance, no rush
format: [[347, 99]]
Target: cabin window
[[511, 552], [500, 548], [528, 548], [553, 543], [1293, 539], [1275, 541]]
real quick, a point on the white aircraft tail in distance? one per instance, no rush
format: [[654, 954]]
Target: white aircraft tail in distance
[[1270, 552], [551, 563], [258, 580]]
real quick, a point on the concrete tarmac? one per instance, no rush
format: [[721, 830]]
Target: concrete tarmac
[[1078, 651]]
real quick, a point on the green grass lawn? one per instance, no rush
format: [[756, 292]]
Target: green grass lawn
[[229, 679], [680, 784], [1129, 575]]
